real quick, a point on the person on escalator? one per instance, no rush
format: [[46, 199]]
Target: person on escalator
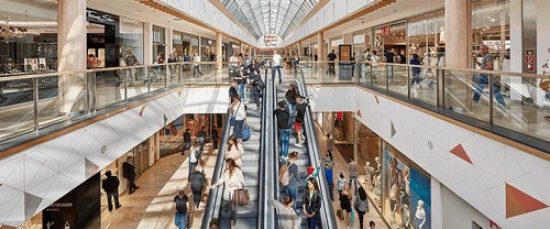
[[301, 107], [311, 203], [235, 150], [232, 179], [239, 114], [291, 96], [256, 93], [294, 180], [283, 128], [286, 215]]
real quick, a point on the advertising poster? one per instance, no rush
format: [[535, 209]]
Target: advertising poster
[[420, 194]]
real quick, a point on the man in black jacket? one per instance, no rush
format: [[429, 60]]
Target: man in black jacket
[[110, 185], [129, 173], [215, 137], [186, 141], [283, 128], [201, 137]]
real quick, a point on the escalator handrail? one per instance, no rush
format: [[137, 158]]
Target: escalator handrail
[[326, 218], [213, 205]]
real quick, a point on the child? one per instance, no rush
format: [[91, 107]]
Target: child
[[341, 183]]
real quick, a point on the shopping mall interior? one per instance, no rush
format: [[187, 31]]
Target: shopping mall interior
[[392, 114]]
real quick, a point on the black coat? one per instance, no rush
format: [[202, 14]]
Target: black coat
[[315, 203], [128, 170], [111, 184]]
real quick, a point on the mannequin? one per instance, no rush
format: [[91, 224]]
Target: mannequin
[[369, 170], [378, 165], [378, 186], [420, 216], [405, 216], [393, 204]]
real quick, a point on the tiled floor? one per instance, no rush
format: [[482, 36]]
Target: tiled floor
[[151, 206], [341, 166]]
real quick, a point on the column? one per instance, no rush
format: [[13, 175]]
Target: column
[[72, 54], [458, 33], [516, 50], [199, 51], [300, 50], [348, 39], [320, 46], [147, 43], [219, 46], [242, 47], [169, 34]]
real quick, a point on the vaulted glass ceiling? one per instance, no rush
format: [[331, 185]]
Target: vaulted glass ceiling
[[263, 17]]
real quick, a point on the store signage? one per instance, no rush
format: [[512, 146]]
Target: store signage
[[386, 30], [271, 40], [61, 214], [99, 16]]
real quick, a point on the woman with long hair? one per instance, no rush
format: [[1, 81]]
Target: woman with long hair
[[239, 114], [287, 217], [345, 204], [235, 150], [233, 179], [311, 203], [361, 204]]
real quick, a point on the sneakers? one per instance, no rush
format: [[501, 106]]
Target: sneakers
[[298, 144]]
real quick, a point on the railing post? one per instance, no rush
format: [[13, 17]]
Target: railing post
[[440, 76], [387, 78], [491, 94], [371, 74], [146, 75], [408, 69], [166, 75], [91, 83], [35, 102], [125, 83]]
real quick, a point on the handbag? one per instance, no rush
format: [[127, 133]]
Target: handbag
[[246, 132], [241, 197], [340, 214]]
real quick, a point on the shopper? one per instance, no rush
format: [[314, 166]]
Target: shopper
[[194, 156], [345, 204], [361, 205], [197, 68], [415, 72], [330, 180], [181, 206], [277, 66], [291, 96], [235, 150], [311, 203], [110, 185], [301, 107], [131, 60], [239, 115], [283, 128], [201, 137], [372, 225], [128, 172], [215, 224], [286, 215], [330, 146], [390, 58], [214, 134], [341, 183], [233, 91], [331, 58], [294, 181], [487, 64], [256, 93], [353, 173], [233, 179], [241, 78], [186, 141], [197, 181]]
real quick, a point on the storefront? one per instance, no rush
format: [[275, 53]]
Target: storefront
[[159, 43], [28, 42]]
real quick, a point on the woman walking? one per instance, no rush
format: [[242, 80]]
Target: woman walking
[[233, 179]]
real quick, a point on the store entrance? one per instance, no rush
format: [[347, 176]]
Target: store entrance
[[102, 44]]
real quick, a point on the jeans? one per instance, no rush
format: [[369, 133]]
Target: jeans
[[292, 109], [201, 143], [256, 97], [180, 220], [238, 130], [132, 185], [331, 70], [241, 87], [416, 78], [131, 76], [361, 218], [354, 179], [278, 70], [292, 191], [191, 167], [197, 69], [197, 197], [331, 190], [285, 139], [312, 222], [109, 198], [483, 80]]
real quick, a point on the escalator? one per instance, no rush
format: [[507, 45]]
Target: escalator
[[308, 156], [252, 168]]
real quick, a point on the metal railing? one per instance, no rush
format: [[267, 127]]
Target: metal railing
[[505, 103], [266, 212]]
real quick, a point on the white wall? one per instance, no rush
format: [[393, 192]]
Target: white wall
[[51, 169], [458, 214]]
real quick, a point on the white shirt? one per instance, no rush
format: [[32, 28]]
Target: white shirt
[[239, 112], [237, 181], [197, 59], [277, 60], [236, 153], [234, 61]]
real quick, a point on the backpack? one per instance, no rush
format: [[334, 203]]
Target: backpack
[[284, 175], [260, 84]]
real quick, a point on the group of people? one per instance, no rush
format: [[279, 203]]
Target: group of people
[[111, 183]]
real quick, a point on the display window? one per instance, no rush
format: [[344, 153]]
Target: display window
[[491, 27], [406, 191], [426, 36]]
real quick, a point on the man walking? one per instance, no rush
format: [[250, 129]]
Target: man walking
[[277, 66], [330, 180], [197, 182], [331, 58], [201, 137], [283, 128], [129, 173], [110, 185], [353, 174], [180, 204], [186, 141], [131, 60], [487, 63], [197, 60]]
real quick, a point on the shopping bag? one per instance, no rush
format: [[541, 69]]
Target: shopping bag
[[241, 198], [246, 132], [340, 214], [352, 217]]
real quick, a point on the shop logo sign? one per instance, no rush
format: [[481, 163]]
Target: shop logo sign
[[94, 15]]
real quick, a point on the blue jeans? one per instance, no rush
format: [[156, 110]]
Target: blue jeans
[[312, 222], [278, 70], [354, 179], [109, 202], [331, 190], [484, 80], [292, 109], [416, 78], [180, 220], [285, 139], [293, 192], [197, 69], [242, 86], [238, 131]]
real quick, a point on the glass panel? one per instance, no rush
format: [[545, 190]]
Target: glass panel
[[16, 107]]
